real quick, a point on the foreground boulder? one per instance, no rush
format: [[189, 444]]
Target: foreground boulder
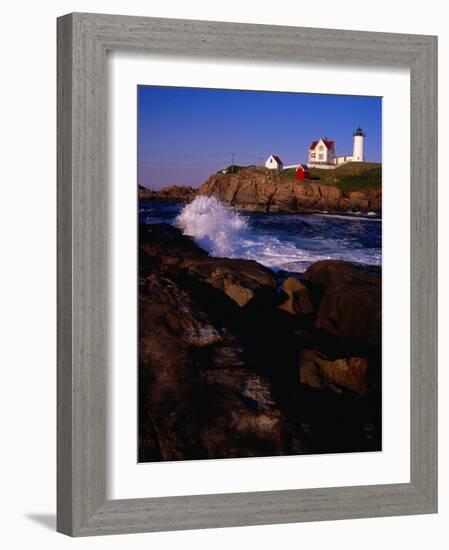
[[241, 280], [337, 375], [298, 301], [166, 244], [349, 301]]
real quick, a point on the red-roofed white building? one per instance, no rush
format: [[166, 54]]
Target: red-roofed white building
[[322, 153]]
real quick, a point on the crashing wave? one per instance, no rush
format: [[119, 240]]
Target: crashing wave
[[223, 232], [217, 229]]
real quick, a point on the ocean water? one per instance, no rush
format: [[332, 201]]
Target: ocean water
[[287, 242]]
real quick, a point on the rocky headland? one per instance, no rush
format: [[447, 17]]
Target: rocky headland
[[236, 361], [262, 190], [345, 189]]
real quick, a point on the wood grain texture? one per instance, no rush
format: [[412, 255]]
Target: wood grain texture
[[64, 277], [83, 40]]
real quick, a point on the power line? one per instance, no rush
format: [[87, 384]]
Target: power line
[[223, 154], [156, 154], [172, 165], [152, 163], [169, 168]]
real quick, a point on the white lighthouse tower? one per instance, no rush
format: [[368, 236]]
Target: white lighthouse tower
[[359, 136]]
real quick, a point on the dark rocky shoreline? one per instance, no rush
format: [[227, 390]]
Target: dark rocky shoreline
[[232, 365], [173, 193]]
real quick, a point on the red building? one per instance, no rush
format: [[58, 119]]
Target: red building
[[302, 172]]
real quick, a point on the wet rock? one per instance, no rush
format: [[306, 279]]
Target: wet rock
[[348, 301], [241, 280], [298, 301], [219, 359], [200, 396], [336, 375], [173, 193], [374, 197], [166, 244]]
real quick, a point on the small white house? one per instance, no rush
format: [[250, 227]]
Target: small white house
[[274, 163]]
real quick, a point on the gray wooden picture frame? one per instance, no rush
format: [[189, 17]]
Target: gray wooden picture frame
[[83, 40]]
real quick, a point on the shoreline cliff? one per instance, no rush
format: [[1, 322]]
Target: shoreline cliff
[[256, 189], [262, 191]]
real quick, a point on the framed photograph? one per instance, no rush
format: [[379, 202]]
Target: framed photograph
[[247, 280]]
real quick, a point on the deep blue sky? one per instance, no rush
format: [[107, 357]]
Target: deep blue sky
[[185, 134]]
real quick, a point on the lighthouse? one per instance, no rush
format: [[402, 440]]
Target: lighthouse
[[359, 136]]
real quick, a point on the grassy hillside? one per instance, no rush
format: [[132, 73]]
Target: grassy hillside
[[354, 176]]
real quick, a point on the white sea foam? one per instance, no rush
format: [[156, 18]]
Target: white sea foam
[[224, 232], [216, 229]]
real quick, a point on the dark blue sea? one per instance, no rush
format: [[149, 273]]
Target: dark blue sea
[[287, 242]]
